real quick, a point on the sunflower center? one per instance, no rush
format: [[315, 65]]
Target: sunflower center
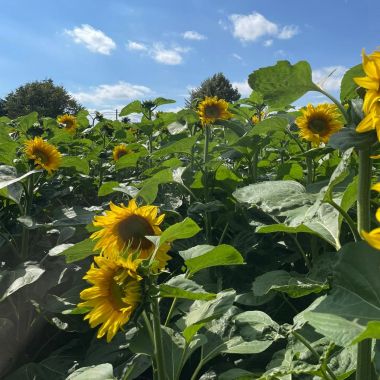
[[133, 231], [317, 125], [121, 153], [42, 157], [212, 111]]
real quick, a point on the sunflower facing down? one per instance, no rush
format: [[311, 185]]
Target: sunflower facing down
[[120, 151], [317, 124], [212, 109], [69, 121], [115, 294], [126, 227], [44, 155]]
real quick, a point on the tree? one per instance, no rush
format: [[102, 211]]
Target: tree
[[217, 85], [2, 107], [43, 97]]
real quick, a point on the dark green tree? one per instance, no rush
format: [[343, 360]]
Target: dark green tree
[[217, 85], [2, 107], [43, 97]]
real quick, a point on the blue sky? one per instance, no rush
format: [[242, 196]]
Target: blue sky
[[108, 53]]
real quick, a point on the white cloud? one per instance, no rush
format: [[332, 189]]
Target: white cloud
[[193, 35], [243, 88], [132, 45], [287, 32], [329, 77], [268, 43], [237, 56], [93, 39], [105, 95], [252, 27]]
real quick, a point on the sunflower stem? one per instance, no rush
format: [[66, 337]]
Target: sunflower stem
[[27, 208], [207, 220], [336, 101], [309, 165], [158, 343], [364, 361]]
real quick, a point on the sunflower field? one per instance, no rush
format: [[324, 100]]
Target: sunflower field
[[223, 241]]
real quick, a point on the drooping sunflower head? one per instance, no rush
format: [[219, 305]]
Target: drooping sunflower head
[[317, 124], [69, 121], [120, 151], [212, 109], [125, 227], [115, 294], [256, 118], [44, 155]]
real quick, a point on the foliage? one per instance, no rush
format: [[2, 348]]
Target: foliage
[[43, 97]]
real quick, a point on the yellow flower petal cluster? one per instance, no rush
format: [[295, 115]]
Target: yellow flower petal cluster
[[373, 237], [120, 151], [69, 121], [115, 294], [125, 227], [44, 155], [256, 118], [371, 83], [317, 124], [212, 109]]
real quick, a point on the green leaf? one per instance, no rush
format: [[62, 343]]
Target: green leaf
[[351, 311], [107, 188], [7, 178], [13, 280], [27, 121], [283, 83], [134, 107], [80, 164], [94, 372], [79, 251], [130, 160], [182, 230], [348, 87], [160, 101], [184, 145], [201, 258], [348, 137], [268, 126], [8, 147], [293, 284], [182, 287]]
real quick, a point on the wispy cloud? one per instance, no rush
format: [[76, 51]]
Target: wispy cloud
[[243, 88], [93, 39], [329, 77], [237, 56], [106, 95], [254, 26], [159, 52], [268, 43], [193, 35]]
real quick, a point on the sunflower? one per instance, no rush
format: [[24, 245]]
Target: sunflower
[[115, 294], [317, 124], [371, 82], [212, 109], [44, 155], [120, 151], [69, 121], [126, 227], [371, 120], [256, 118]]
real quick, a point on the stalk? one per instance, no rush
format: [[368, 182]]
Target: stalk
[[364, 362], [207, 220], [27, 208], [309, 165], [158, 343], [337, 103]]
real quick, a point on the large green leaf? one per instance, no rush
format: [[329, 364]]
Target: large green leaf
[[7, 147], [27, 121], [134, 107], [95, 372], [283, 83], [161, 101], [348, 87], [8, 177], [13, 280], [351, 311], [184, 145], [182, 230], [79, 251], [80, 164]]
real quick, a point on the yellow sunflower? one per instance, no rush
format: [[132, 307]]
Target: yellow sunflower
[[371, 82], [257, 118], [212, 109], [69, 121], [317, 124], [44, 155], [371, 120], [115, 294], [120, 151], [126, 227]]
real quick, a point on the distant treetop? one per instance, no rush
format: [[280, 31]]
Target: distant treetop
[[217, 85], [43, 97]]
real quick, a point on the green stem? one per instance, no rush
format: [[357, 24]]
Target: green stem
[[316, 355], [364, 361], [309, 165], [207, 220], [254, 162], [158, 343], [337, 103], [27, 208]]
